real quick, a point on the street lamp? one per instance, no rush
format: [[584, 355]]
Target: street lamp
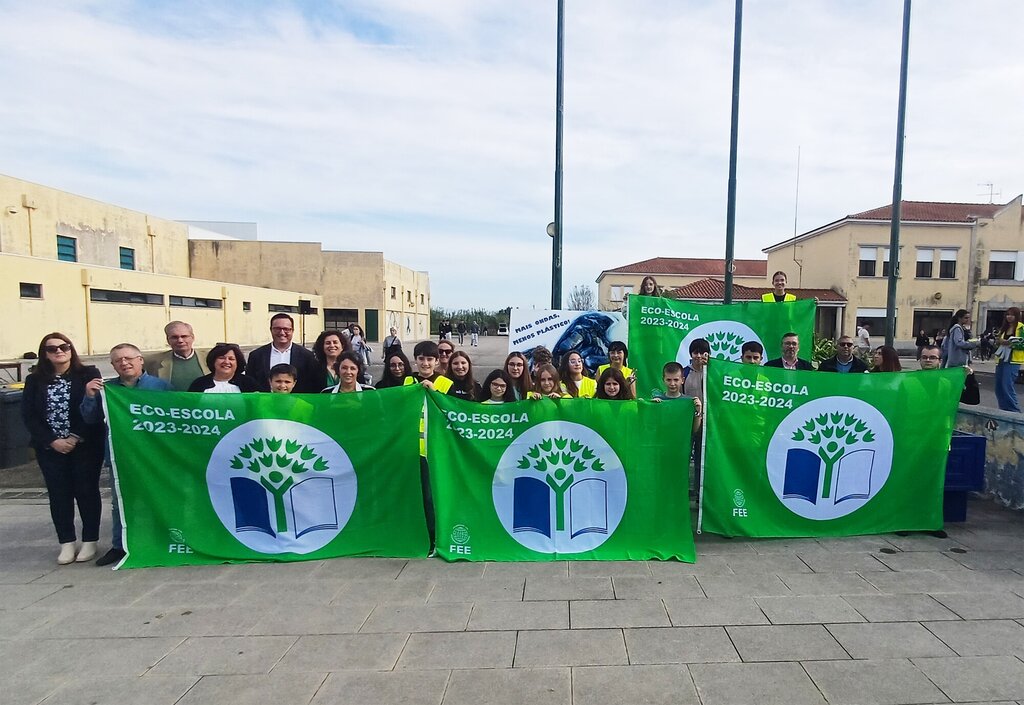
[[551, 229]]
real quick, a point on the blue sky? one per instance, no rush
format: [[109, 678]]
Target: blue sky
[[426, 129]]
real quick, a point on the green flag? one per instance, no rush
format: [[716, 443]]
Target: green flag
[[792, 453], [216, 478], [565, 479], [661, 330]]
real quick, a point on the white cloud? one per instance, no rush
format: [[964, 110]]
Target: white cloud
[[426, 130]]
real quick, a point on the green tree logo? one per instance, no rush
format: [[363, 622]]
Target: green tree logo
[[560, 459], [278, 463], [725, 345], [833, 434]]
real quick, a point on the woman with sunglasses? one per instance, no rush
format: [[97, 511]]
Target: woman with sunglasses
[[396, 369], [69, 450], [445, 350]]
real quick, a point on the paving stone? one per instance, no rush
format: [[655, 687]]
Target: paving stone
[[418, 618], [976, 678], [600, 569], [587, 647], [118, 656], [828, 584], [597, 614], [679, 645], [714, 611], [807, 609], [636, 685], [987, 581], [877, 682], [29, 690], [23, 575], [832, 562], [15, 597], [980, 638], [225, 655], [459, 650], [369, 688], [17, 623], [276, 688], [705, 565], [754, 683], [768, 546], [983, 605], [343, 652], [332, 619], [912, 581], [648, 588], [211, 594], [526, 569], [298, 594], [785, 643], [885, 640], [989, 560], [768, 564], [519, 686], [151, 621], [919, 560], [414, 592], [479, 590], [150, 689], [856, 544], [435, 568], [712, 545], [514, 616], [922, 541], [268, 572], [742, 585], [899, 608], [360, 569], [569, 589]]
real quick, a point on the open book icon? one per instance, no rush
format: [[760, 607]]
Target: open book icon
[[852, 475], [586, 500], [311, 506]]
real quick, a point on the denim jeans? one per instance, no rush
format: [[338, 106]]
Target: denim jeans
[[71, 478], [1006, 394]]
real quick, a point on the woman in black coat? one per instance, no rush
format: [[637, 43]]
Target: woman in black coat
[[69, 451], [228, 372]]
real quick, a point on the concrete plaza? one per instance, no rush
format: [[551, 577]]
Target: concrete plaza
[[866, 620]]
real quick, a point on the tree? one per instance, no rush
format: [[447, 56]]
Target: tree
[[581, 298], [832, 433], [724, 345], [277, 470], [559, 459]]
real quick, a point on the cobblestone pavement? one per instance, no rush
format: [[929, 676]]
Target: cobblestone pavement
[[876, 619]]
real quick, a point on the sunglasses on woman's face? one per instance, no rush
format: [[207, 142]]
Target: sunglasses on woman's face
[[63, 347]]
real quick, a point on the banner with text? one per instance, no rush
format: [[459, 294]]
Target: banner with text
[[561, 479], [661, 330], [792, 453], [222, 478], [586, 332]]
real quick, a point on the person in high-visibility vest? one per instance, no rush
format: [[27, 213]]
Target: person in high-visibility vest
[[778, 292]]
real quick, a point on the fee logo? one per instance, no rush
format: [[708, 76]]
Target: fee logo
[[724, 337], [281, 486], [829, 457], [559, 488]]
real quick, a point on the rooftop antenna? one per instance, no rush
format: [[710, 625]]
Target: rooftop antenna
[[992, 193]]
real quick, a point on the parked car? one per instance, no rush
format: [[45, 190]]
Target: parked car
[[503, 329]]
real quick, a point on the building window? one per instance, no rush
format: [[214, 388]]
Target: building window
[[947, 264], [281, 308], [423, 298], [194, 302], [408, 296], [111, 296], [67, 249], [127, 256], [868, 261], [925, 261], [394, 293], [885, 262], [620, 293], [340, 318], [247, 305], [1001, 265], [31, 291]]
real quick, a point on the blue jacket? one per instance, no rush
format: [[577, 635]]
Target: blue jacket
[[92, 410]]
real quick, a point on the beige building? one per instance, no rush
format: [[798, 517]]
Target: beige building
[[103, 274], [952, 256], [356, 287], [615, 285]]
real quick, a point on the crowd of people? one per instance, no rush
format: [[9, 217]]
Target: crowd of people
[[65, 420]]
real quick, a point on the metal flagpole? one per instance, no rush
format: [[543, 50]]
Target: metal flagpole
[[897, 185], [730, 217]]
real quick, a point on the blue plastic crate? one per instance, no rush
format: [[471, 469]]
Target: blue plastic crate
[[965, 472]]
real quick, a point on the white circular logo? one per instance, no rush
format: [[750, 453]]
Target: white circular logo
[[559, 488], [460, 534], [281, 486], [829, 457], [725, 338], [738, 498]]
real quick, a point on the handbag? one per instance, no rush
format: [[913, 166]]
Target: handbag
[[972, 391]]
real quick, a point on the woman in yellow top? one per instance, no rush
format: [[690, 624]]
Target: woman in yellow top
[[778, 292], [617, 354], [575, 382], [1010, 359]]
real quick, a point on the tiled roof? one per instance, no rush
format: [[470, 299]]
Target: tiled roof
[[714, 290], [693, 266], [933, 212]]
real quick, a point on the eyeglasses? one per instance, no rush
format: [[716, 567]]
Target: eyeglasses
[[122, 360], [846, 345], [445, 353], [499, 385], [930, 357], [63, 347], [281, 330]]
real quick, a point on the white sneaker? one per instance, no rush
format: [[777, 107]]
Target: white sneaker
[[87, 552], [67, 553]]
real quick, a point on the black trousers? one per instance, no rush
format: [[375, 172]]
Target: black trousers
[[72, 478]]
